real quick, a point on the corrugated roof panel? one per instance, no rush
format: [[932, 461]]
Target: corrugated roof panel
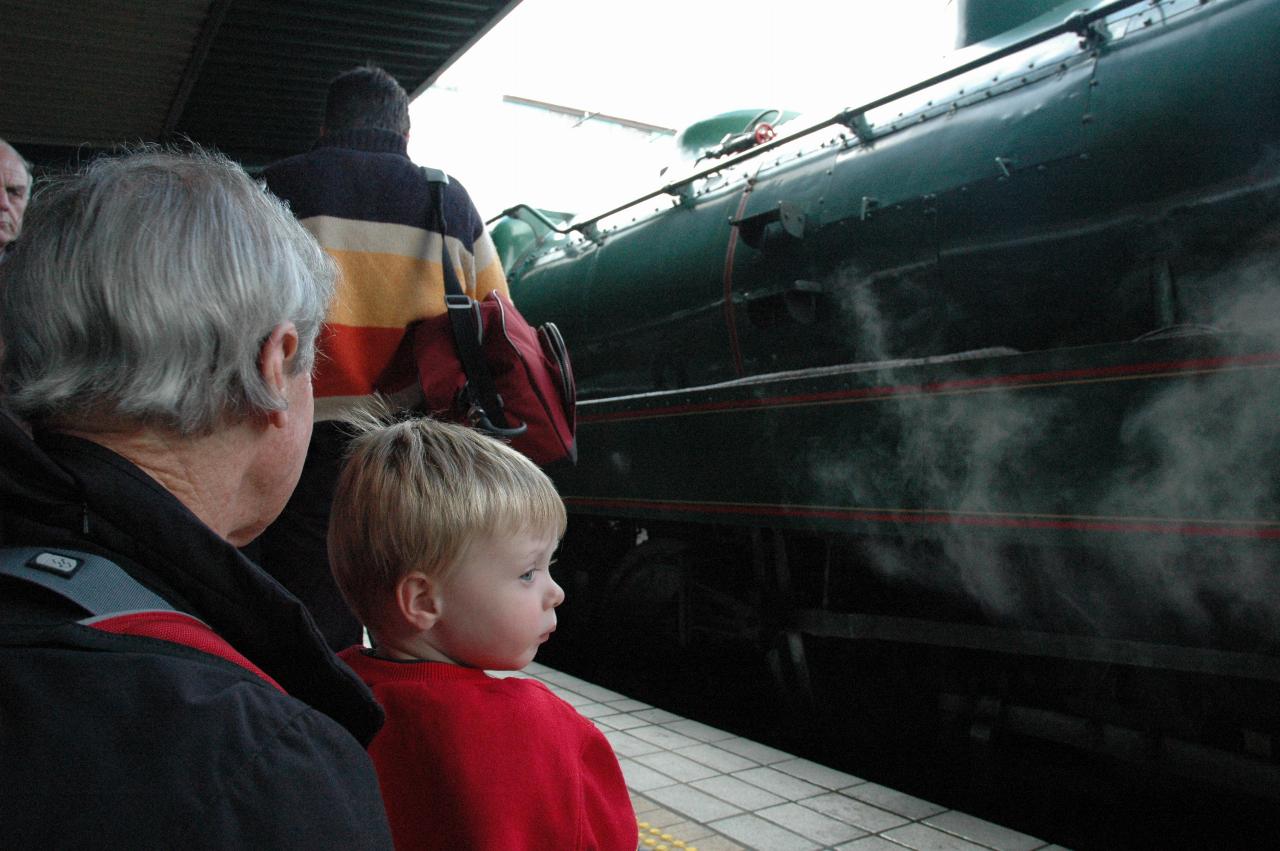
[[245, 76], [270, 57], [93, 72]]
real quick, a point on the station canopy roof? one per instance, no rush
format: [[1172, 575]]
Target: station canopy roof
[[246, 77]]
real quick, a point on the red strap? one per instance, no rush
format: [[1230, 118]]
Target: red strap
[[179, 628]]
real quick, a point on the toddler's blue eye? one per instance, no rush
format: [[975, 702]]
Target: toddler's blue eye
[[526, 576]]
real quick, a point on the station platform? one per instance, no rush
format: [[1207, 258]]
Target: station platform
[[696, 787]]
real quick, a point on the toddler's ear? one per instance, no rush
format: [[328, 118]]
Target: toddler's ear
[[416, 601]]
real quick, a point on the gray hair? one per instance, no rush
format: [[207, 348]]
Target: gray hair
[[144, 287]]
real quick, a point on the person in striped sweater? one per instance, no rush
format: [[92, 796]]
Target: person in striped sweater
[[372, 209]]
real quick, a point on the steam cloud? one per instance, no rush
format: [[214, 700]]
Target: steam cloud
[[1196, 448]]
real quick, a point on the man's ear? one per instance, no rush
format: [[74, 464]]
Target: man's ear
[[276, 363], [417, 600]]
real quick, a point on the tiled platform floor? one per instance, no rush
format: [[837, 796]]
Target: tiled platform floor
[[699, 787]]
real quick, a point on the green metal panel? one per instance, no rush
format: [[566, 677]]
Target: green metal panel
[[945, 448], [980, 20]]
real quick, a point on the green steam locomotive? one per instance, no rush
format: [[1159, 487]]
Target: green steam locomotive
[[989, 365]]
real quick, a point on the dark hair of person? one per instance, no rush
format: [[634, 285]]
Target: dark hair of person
[[366, 97]]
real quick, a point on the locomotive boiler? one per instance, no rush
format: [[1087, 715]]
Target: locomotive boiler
[[987, 365]]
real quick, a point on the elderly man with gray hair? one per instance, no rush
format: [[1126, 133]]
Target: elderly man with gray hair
[[160, 316], [15, 191]]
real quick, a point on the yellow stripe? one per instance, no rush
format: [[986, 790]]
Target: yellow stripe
[[387, 279], [385, 290]]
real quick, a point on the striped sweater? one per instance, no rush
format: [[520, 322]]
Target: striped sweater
[[371, 209]]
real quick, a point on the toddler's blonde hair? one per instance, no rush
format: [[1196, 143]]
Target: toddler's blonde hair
[[414, 494]]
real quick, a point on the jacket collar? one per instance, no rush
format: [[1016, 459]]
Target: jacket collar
[[125, 512]]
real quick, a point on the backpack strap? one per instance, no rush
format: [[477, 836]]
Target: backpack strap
[[116, 602], [178, 628], [93, 583]]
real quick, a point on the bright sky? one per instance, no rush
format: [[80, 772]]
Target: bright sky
[[664, 62]]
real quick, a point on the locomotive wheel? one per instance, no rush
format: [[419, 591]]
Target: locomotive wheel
[[647, 588], [789, 664], [784, 647]]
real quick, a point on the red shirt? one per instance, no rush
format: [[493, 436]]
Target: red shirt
[[467, 760]]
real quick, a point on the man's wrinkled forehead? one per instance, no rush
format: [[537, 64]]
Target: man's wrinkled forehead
[[13, 171]]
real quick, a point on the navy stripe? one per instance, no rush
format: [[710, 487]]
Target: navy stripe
[[334, 180]]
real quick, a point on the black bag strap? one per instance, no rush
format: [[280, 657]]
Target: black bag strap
[[484, 404], [95, 584]]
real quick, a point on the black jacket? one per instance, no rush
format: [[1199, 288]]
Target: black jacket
[[128, 742]]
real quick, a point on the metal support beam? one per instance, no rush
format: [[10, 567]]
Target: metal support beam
[[195, 64]]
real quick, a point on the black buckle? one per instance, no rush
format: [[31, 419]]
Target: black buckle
[[479, 419]]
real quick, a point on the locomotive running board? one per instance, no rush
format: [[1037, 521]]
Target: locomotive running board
[[1168, 657]]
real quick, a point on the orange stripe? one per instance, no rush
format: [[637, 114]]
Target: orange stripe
[[352, 359], [490, 278], [390, 290]]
